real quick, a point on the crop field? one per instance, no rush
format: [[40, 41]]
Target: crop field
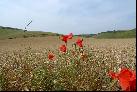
[[40, 64]]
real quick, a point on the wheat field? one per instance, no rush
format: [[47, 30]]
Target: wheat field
[[24, 64]]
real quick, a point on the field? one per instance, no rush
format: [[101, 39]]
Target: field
[[118, 34], [13, 33], [25, 66]]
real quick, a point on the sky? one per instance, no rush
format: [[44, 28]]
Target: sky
[[65, 16]]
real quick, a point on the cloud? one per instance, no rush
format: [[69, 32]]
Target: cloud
[[64, 16]]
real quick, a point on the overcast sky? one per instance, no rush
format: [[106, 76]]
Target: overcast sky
[[65, 16]]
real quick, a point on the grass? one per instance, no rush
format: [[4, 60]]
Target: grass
[[12, 33], [118, 34]]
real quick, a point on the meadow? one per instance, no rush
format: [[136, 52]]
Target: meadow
[[25, 64]]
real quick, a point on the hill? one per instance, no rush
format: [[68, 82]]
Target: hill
[[11, 33], [118, 34]]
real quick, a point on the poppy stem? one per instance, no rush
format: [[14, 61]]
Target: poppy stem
[[75, 46], [66, 44]]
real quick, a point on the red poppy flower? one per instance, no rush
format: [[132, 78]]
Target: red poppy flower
[[79, 42], [132, 84], [127, 79], [63, 48], [51, 56], [70, 36], [66, 37]]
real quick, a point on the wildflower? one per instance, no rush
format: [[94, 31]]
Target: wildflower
[[51, 56], [127, 79], [63, 48], [79, 42], [70, 36], [66, 37]]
